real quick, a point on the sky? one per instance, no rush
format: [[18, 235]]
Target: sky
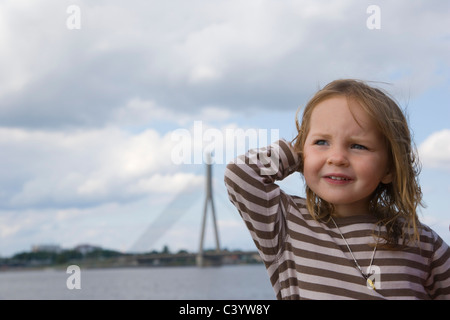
[[107, 108]]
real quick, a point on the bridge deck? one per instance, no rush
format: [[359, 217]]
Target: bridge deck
[[207, 259]]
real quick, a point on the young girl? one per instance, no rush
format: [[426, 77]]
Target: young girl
[[357, 234]]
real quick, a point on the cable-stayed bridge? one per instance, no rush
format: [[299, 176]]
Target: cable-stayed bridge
[[174, 210]]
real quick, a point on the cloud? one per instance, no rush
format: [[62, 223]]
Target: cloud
[[435, 150], [228, 54], [85, 167], [139, 112], [90, 167]]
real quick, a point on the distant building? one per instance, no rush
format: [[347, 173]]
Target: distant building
[[86, 248], [47, 248]]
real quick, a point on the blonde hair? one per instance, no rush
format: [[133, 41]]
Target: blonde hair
[[394, 204]]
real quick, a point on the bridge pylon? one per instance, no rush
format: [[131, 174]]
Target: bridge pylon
[[201, 261]]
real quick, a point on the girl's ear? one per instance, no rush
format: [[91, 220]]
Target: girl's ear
[[387, 178]]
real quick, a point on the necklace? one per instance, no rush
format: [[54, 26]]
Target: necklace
[[365, 275]]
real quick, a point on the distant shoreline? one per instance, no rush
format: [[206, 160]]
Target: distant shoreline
[[105, 259]]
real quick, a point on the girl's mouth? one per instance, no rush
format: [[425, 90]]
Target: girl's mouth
[[338, 178]]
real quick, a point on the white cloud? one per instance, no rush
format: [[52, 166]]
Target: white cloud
[[435, 150], [233, 54], [64, 169], [203, 73], [173, 183], [90, 167], [140, 112]]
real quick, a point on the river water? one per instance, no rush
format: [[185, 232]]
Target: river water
[[235, 282]]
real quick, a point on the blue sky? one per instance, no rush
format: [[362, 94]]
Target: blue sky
[[88, 115]]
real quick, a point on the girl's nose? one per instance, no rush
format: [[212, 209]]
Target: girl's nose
[[338, 158]]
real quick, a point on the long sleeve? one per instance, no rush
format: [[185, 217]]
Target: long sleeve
[[438, 282], [250, 181]]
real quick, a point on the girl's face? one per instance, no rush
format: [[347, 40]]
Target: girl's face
[[344, 159]]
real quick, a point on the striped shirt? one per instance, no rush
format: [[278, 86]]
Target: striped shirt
[[308, 259]]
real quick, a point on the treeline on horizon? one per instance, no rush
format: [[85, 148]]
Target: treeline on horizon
[[64, 256], [38, 258]]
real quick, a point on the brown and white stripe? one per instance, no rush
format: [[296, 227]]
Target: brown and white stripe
[[307, 259]]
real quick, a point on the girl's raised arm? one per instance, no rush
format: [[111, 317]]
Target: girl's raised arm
[[250, 181]]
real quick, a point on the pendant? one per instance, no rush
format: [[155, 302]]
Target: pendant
[[370, 284]]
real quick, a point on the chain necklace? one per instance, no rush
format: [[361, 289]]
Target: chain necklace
[[365, 275]]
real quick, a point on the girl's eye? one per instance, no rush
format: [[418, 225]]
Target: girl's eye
[[358, 146], [321, 142]]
